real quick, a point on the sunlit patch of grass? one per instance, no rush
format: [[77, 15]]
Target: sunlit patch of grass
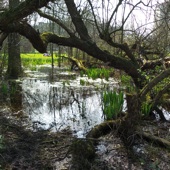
[[33, 59]]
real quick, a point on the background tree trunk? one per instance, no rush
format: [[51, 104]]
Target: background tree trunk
[[14, 60]]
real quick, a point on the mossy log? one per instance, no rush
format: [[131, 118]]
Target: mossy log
[[75, 61], [103, 128]]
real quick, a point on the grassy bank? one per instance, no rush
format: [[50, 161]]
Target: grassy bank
[[33, 59]]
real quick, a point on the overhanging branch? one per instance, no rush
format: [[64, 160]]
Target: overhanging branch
[[30, 33], [22, 10]]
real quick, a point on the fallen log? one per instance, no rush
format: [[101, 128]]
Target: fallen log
[[75, 61]]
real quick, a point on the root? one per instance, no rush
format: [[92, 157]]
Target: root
[[154, 139], [103, 128]]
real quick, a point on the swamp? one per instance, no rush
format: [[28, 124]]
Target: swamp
[[84, 85], [45, 123]]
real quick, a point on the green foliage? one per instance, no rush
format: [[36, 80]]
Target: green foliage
[[82, 82], [95, 73], [31, 60], [146, 108], [112, 104], [4, 88], [82, 73], [7, 89], [127, 82]]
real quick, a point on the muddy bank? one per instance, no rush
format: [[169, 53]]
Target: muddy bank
[[24, 149], [21, 148]]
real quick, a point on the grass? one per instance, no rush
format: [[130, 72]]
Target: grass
[[33, 59]]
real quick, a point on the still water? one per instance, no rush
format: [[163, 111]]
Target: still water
[[65, 103]]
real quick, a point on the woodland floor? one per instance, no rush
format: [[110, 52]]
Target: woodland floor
[[23, 149]]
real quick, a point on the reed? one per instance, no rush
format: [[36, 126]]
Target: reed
[[112, 104], [95, 73], [146, 108]]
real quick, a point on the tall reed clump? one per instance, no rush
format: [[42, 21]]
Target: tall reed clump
[[103, 73], [112, 104]]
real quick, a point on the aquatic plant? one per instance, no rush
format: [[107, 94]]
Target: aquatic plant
[[112, 104], [146, 108], [95, 73], [82, 82]]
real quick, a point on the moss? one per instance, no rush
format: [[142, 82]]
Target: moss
[[45, 37]]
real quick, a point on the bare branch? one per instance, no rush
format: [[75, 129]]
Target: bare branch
[[56, 21], [95, 19], [154, 82], [77, 20], [112, 15]]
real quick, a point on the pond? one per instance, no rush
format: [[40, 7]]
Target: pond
[[70, 101], [64, 100]]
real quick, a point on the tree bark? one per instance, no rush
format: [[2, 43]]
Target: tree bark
[[14, 60]]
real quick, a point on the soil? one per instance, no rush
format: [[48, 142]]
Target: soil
[[24, 149]]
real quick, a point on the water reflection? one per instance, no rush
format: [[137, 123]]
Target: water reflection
[[60, 106]]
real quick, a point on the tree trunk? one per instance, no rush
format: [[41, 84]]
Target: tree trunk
[[14, 60], [129, 125]]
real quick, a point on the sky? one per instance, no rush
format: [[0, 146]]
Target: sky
[[141, 16]]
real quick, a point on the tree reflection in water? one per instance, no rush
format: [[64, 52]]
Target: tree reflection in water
[[60, 107]]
